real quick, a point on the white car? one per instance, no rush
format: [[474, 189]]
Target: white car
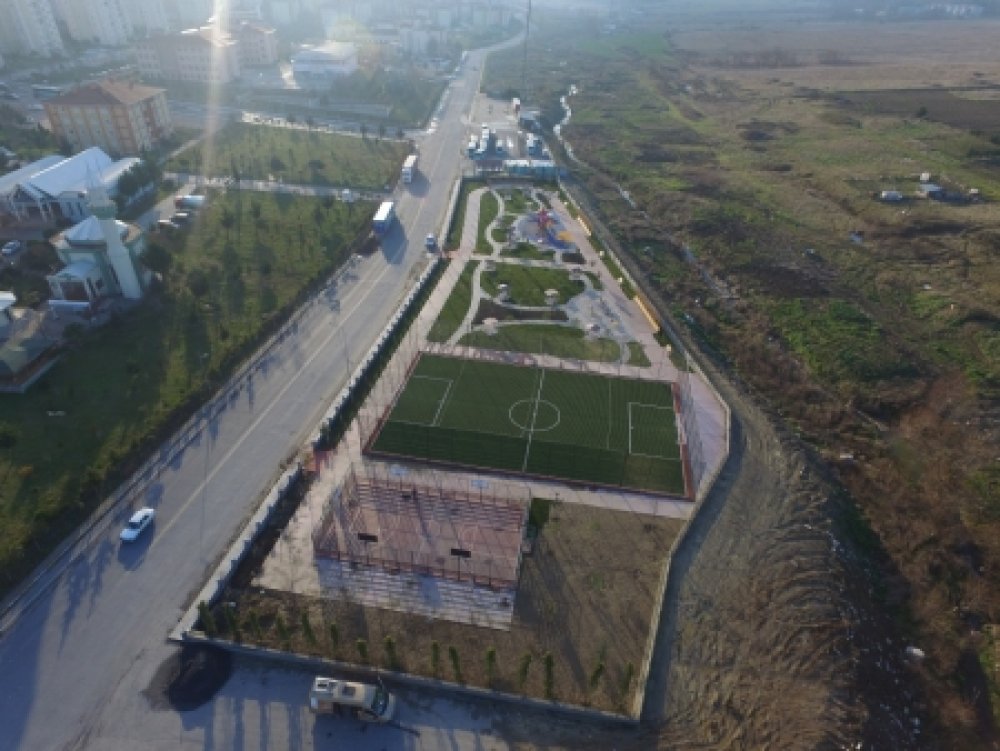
[[139, 521]]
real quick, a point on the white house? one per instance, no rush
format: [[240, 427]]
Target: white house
[[102, 257], [55, 187]]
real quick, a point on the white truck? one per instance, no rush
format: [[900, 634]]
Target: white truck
[[409, 168], [370, 703]]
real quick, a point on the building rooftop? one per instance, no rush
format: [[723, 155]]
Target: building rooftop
[[18, 176], [80, 171], [328, 51], [106, 92], [90, 232], [54, 176]]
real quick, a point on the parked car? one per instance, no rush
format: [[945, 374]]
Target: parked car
[[431, 242], [181, 217], [165, 225], [10, 95], [12, 248], [139, 521]]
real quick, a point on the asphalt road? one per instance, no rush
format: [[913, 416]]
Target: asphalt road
[[74, 664]]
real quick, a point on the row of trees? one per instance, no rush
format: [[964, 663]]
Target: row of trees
[[226, 621], [137, 179]]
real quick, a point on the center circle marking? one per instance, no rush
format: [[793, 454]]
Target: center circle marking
[[548, 416]]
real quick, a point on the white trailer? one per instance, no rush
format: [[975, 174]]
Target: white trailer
[[409, 168]]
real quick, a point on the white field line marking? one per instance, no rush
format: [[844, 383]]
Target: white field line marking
[[631, 428], [534, 416], [444, 400], [431, 378]]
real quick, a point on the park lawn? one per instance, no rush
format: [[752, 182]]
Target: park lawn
[[458, 217], [637, 355], [528, 252], [295, 156], [227, 280], [455, 307], [528, 283], [543, 339], [489, 207]]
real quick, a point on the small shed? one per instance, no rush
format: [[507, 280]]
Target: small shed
[[551, 297], [503, 291]]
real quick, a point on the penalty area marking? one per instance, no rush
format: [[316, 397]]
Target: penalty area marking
[[441, 402], [632, 427]]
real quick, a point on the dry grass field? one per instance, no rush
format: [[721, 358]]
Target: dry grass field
[[755, 149]]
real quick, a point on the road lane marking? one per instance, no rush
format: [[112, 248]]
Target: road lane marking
[[260, 418]]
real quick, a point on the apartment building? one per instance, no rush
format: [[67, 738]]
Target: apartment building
[[28, 27], [96, 21], [202, 55], [121, 117], [147, 16], [258, 44]]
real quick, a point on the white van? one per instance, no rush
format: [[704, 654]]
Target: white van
[[369, 703]]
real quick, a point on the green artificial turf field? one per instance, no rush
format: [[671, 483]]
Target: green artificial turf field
[[566, 424]]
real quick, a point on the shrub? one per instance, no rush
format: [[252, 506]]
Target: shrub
[[390, 652], [253, 624], [206, 619], [522, 670], [8, 437], [334, 637], [362, 646], [232, 624], [549, 663], [627, 678], [595, 676], [491, 665], [455, 664], [435, 658], [307, 628], [282, 630]]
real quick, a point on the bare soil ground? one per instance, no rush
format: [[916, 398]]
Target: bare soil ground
[[585, 597]]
